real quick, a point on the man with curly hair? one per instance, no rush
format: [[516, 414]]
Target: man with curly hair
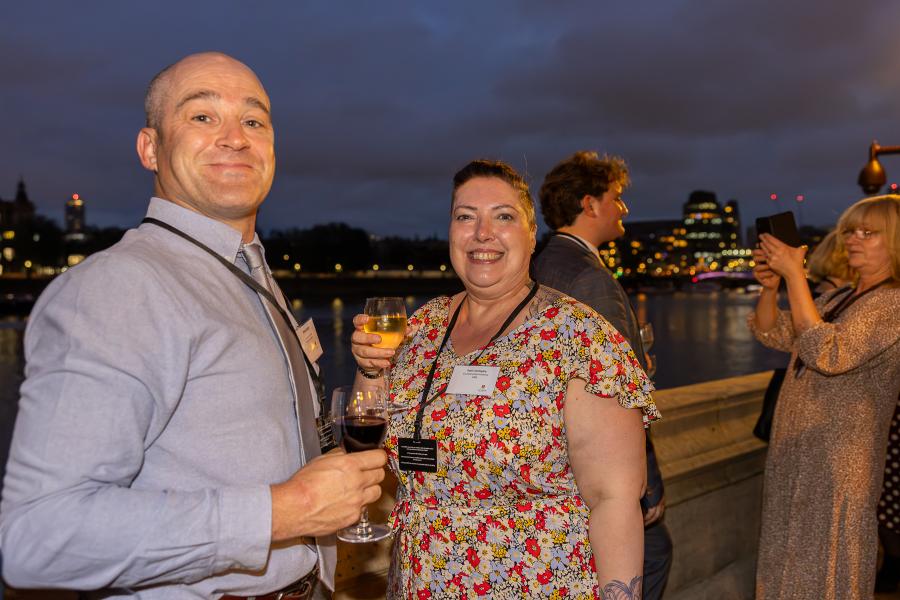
[[581, 200]]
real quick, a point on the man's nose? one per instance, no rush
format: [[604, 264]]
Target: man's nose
[[233, 135], [624, 208]]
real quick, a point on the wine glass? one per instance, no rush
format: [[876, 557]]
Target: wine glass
[[647, 336], [647, 339], [387, 318], [360, 417]]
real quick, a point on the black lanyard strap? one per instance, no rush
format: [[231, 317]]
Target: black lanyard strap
[[428, 381], [251, 283]]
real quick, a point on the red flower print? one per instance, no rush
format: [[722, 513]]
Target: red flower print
[[481, 534], [483, 494], [514, 433], [545, 577], [438, 415], [432, 335], [524, 506], [557, 370], [501, 410], [516, 449], [423, 594], [482, 588], [472, 557], [551, 312], [425, 544], [532, 547], [480, 449], [525, 473], [503, 383], [469, 468], [416, 565], [548, 334], [430, 354]]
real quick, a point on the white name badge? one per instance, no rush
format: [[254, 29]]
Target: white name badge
[[473, 380], [309, 340]]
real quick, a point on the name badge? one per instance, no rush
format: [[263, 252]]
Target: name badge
[[473, 380], [309, 340], [417, 455]]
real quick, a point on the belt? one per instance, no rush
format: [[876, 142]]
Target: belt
[[302, 589]]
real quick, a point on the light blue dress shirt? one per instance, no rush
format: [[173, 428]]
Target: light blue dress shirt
[[155, 413]]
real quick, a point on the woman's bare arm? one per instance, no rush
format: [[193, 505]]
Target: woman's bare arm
[[606, 451]]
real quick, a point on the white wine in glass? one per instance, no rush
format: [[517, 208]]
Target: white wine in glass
[[387, 318]]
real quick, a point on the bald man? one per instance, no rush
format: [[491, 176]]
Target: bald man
[[163, 447]]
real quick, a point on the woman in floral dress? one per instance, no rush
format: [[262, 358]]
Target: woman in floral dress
[[537, 476]]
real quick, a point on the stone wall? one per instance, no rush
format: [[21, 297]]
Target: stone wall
[[712, 466]]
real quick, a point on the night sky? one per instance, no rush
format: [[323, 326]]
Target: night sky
[[377, 104]]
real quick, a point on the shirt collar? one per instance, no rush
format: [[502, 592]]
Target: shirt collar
[[221, 238], [587, 244]]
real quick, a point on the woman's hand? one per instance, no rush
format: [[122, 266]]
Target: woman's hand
[[784, 260], [367, 356], [766, 277]]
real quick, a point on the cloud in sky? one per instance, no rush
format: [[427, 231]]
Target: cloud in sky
[[376, 105]]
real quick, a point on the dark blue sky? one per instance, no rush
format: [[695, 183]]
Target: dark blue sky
[[377, 104]]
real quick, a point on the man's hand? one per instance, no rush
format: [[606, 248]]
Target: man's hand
[[654, 513], [327, 494]]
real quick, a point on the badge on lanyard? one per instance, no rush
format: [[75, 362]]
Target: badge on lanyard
[[417, 455], [473, 380], [309, 340]]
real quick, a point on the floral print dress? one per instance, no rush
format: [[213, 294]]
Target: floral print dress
[[502, 516]]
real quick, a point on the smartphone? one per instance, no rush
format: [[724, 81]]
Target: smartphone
[[782, 226]]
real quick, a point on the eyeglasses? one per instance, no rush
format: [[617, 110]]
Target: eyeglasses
[[859, 233]]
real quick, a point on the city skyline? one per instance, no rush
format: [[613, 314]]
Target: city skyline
[[375, 108]]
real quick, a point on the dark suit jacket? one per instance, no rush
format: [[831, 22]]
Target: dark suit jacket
[[573, 270]]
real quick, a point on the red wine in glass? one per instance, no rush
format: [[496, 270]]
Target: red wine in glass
[[360, 433], [361, 422]]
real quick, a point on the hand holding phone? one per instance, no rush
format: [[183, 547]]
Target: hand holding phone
[[782, 226]]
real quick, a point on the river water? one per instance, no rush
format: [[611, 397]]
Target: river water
[[699, 337]]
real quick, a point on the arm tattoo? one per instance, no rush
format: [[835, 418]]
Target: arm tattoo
[[617, 590]]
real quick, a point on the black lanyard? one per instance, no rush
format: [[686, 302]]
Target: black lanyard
[[425, 400], [256, 287], [836, 311]]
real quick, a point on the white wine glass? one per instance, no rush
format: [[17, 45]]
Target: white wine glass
[[387, 318], [360, 419]]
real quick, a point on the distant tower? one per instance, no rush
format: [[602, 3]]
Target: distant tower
[[731, 227], [22, 207], [75, 218], [703, 226]]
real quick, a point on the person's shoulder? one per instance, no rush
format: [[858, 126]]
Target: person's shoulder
[[559, 305], [436, 308], [131, 267]]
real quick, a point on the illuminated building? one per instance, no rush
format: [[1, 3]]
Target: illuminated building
[[710, 229], [14, 215], [75, 218]]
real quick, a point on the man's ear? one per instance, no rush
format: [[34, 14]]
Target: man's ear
[[587, 206], [147, 143]]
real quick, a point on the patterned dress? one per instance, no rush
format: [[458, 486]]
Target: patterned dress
[[502, 516]]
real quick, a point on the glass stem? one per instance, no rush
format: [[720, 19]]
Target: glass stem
[[363, 529]]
